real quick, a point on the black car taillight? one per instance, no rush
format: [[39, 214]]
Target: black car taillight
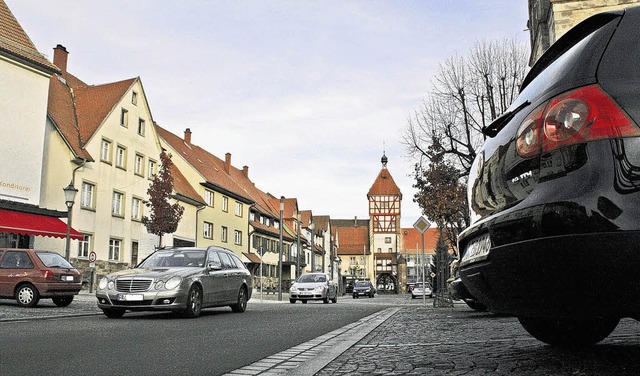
[[578, 116]]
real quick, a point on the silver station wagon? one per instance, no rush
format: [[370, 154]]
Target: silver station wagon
[[183, 280]]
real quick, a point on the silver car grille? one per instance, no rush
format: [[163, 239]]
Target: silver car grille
[[133, 284]]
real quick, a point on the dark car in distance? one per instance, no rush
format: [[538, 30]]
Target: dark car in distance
[[363, 288], [29, 275], [554, 192], [181, 279]]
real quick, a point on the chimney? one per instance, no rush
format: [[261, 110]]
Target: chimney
[[245, 171], [187, 136], [355, 220], [60, 55], [227, 162]]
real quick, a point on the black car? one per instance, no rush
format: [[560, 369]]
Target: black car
[[364, 288], [554, 192]]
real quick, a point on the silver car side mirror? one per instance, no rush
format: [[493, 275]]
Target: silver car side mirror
[[215, 266]]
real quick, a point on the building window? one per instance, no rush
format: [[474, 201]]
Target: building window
[[225, 204], [83, 246], [237, 237], [387, 239], [238, 209], [136, 209], [117, 204], [141, 127], [115, 246], [134, 98], [124, 118], [208, 230], [223, 234], [134, 253], [352, 260], [86, 196], [105, 151], [208, 197], [138, 165], [152, 168], [121, 157]]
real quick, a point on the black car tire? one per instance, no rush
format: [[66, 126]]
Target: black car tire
[[194, 302], [475, 305], [569, 332], [355, 296], [335, 298], [304, 301], [292, 301], [27, 295], [241, 305], [62, 301], [325, 300], [113, 313]]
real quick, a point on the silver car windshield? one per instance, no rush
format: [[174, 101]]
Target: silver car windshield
[[175, 259], [311, 278]]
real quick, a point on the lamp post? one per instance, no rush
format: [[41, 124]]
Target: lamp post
[[280, 251], [313, 251], [298, 249], [69, 198]]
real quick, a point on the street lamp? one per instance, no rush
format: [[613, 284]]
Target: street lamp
[[298, 248], [312, 246], [69, 198], [280, 252]]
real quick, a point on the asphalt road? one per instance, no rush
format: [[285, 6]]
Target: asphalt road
[[163, 343]]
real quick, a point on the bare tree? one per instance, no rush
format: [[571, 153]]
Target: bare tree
[[467, 94]]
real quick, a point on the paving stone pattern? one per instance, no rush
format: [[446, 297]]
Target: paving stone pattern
[[430, 341]]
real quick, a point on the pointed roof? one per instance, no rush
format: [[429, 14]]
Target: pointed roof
[[182, 187], [95, 102], [15, 43], [384, 185]]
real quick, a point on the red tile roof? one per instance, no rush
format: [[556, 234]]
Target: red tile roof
[[410, 239], [181, 186], [384, 185], [14, 42], [353, 240], [208, 165]]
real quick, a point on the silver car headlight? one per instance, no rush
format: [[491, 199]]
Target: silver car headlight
[[103, 283], [172, 283], [319, 289]]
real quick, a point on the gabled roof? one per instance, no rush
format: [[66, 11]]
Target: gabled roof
[[384, 185], [15, 43], [95, 102], [210, 167]]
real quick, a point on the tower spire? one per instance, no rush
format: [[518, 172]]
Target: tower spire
[[384, 159]]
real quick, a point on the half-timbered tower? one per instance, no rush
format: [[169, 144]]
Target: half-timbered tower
[[384, 213]]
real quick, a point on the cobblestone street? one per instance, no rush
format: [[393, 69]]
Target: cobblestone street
[[429, 341]]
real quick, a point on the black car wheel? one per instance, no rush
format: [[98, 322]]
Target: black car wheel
[[335, 298], [194, 302], [27, 295], [304, 301], [476, 306], [241, 305], [113, 313], [569, 332], [292, 301], [63, 301]]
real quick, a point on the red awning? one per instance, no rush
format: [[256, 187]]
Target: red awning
[[35, 224]]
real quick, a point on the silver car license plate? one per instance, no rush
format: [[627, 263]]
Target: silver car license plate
[[130, 297], [477, 250]]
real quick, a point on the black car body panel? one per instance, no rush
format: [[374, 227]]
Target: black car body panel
[[557, 234]]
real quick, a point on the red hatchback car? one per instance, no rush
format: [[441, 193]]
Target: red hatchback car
[[28, 275]]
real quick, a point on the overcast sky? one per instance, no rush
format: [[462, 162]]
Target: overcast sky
[[305, 93]]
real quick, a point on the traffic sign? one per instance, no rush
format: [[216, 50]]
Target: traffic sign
[[92, 257], [422, 225]]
